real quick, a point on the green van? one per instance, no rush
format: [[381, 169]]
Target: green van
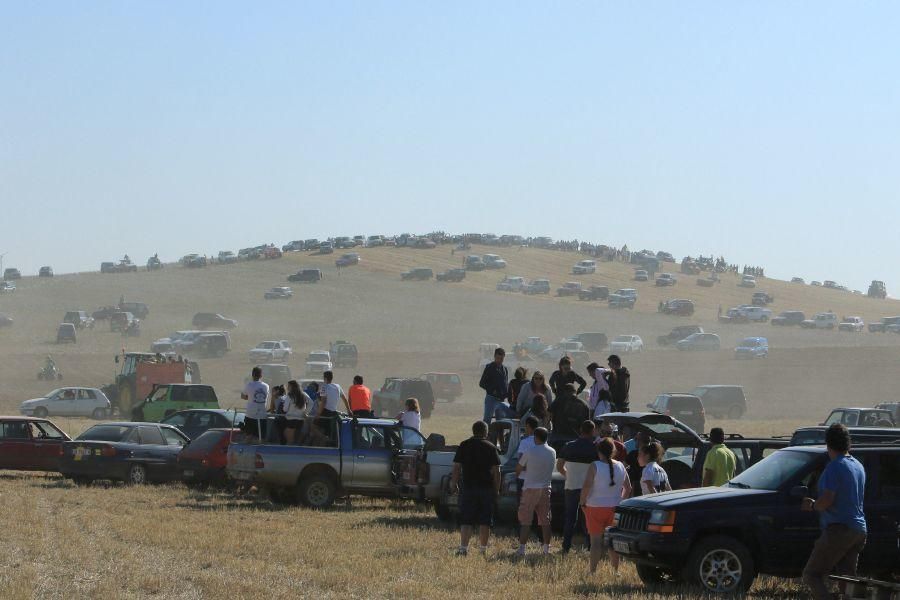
[[168, 398]]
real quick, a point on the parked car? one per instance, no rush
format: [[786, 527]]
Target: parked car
[[685, 407], [317, 362], [417, 274], [748, 281], [537, 286], [204, 460], [7, 287], [30, 444], [347, 260], [136, 453], [585, 267], [274, 374], [752, 347], [306, 276], [11, 273], [882, 325], [699, 341], [278, 293], [722, 400], [79, 318], [893, 407], [678, 307], [68, 402], [511, 284], [344, 354], [826, 320], [194, 423], [761, 299], [815, 435], [66, 333], [444, 386], [622, 298], [212, 320], [390, 399], [326, 248], [570, 288], [641, 275], [374, 240], [626, 344], [757, 313], [493, 261], [677, 334], [851, 324], [154, 264], [293, 246], [138, 309], [270, 351], [754, 523], [734, 315], [798, 280], [861, 417], [591, 340], [451, 275], [45, 271], [594, 292], [121, 321], [104, 312], [829, 284], [789, 317], [473, 262], [168, 398], [665, 279]]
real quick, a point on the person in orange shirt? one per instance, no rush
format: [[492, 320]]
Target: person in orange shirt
[[360, 399]]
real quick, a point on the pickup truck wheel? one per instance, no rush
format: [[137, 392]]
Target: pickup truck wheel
[[317, 491], [720, 564], [651, 576]]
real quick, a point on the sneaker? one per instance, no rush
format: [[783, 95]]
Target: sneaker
[[520, 552], [462, 552]]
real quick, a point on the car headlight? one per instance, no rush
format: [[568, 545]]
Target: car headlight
[[662, 521]]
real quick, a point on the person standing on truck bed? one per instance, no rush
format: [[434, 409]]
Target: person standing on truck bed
[[360, 399], [329, 394], [295, 411], [411, 416], [719, 465], [565, 375], [619, 383], [841, 487], [495, 383], [256, 393], [538, 464], [477, 465]]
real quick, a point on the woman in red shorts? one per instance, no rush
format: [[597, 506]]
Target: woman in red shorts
[[605, 485]]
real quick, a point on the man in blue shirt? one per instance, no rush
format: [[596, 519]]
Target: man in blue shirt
[[842, 487]]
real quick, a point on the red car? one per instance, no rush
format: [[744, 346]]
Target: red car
[[445, 385], [204, 459], [30, 444]]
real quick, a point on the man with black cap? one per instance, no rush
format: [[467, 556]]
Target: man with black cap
[[619, 383]]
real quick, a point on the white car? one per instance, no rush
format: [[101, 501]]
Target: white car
[[493, 261], [626, 344], [826, 320], [851, 324], [68, 402], [756, 313], [511, 284], [584, 267], [318, 361], [748, 281], [271, 351]]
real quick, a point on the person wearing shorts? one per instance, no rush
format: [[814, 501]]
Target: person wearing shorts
[[477, 465], [537, 464], [605, 485]]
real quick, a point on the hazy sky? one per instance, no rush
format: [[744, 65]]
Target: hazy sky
[[767, 132]]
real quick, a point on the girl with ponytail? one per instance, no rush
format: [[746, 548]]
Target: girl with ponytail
[[605, 485]]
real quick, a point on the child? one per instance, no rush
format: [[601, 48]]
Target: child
[[411, 417], [653, 478]]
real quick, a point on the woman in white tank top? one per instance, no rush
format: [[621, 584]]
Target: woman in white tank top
[[605, 485]]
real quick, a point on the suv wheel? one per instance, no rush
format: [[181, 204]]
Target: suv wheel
[[720, 564], [735, 412], [651, 576]]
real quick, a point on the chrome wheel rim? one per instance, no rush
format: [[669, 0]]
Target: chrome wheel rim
[[721, 570]]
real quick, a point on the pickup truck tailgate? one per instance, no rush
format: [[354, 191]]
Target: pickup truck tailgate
[[242, 462]]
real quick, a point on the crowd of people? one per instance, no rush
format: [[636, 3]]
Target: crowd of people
[[302, 416]]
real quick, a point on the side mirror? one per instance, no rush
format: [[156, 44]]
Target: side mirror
[[799, 491]]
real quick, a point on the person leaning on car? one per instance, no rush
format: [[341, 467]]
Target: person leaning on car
[[841, 487]]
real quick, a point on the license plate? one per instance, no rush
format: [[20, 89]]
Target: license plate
[[621, 547], [81, 452], [188, 473]]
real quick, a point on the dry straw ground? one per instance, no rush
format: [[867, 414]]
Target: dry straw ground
[[167, 541]]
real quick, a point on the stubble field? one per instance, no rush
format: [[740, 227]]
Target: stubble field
[[167, 541]]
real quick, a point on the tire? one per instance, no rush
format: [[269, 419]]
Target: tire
[[654, 576], [735, 412], [82, 480], [40, 412], [137, 474], [720, 564], [98, 414], [317, 491]]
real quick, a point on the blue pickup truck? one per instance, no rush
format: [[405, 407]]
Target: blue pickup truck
[[371, 457], [721, 538]]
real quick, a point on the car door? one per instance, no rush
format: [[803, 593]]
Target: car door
[[882, 511], [373, 451], [152, 451], [790, 533], [174, 444], [46, 440], [84, 403], [10, 446], [62, 403]]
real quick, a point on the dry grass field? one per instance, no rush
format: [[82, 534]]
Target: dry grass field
[[168, 541]]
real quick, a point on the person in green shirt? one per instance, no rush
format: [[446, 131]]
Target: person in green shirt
[[719, 465]]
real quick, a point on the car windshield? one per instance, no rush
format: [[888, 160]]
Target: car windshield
[[266, 345], [622, 338], [750, 343], [106, 433], [318, 357], [772, 472]]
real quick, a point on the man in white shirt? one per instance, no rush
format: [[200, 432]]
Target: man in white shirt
[[256, 393], [527, 441], [537, 464], [329, 395]]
